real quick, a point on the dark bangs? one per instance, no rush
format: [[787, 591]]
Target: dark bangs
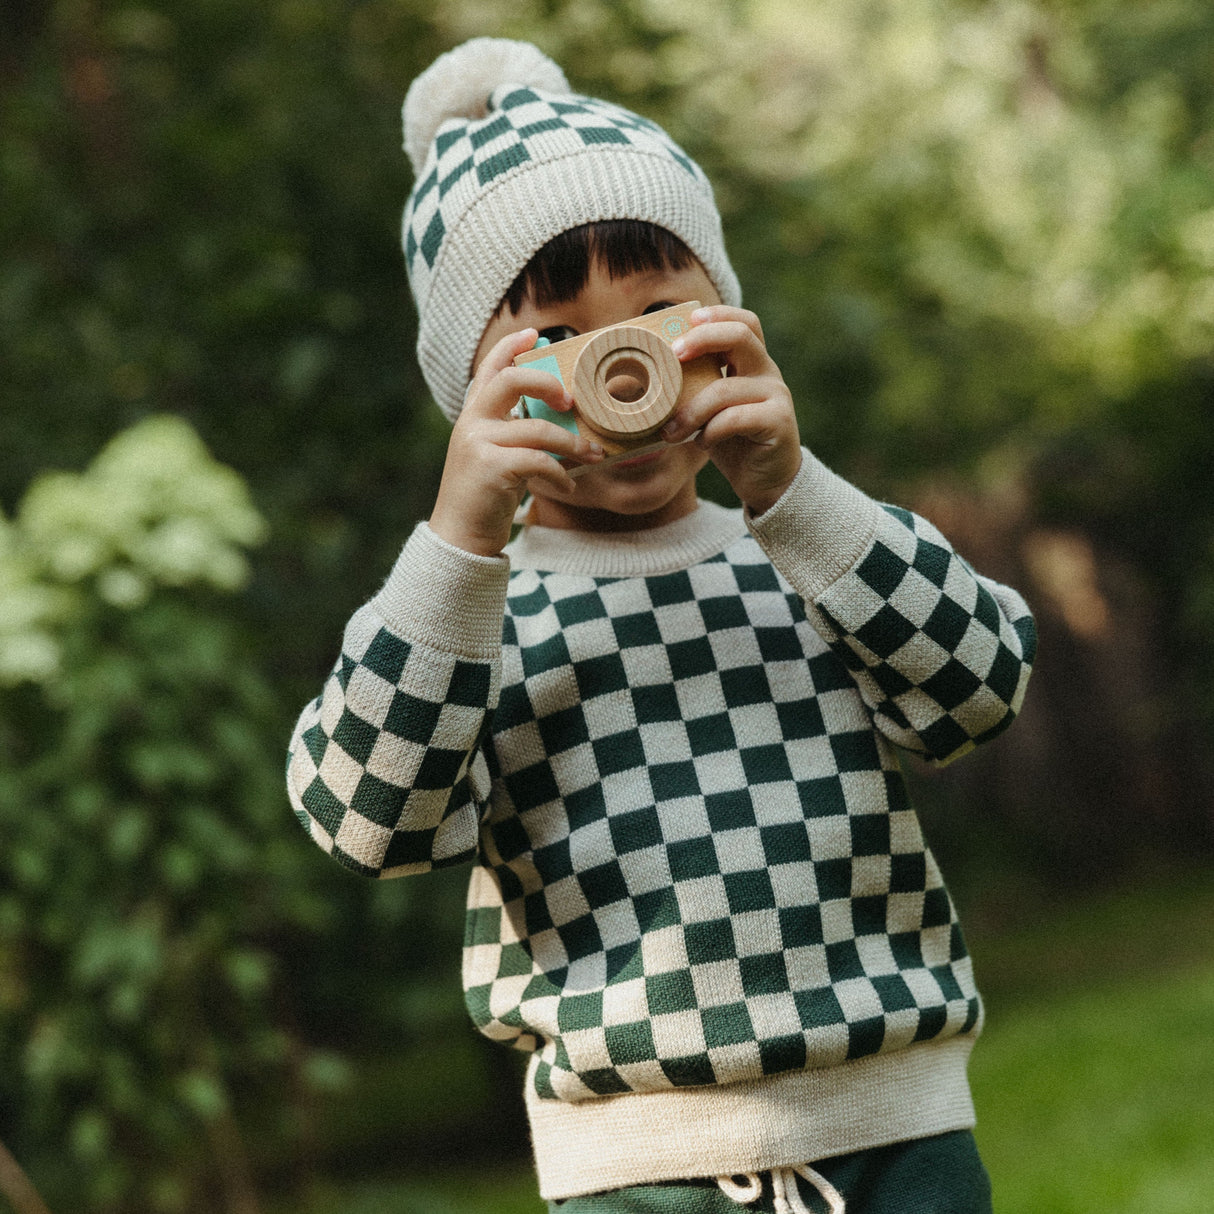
[[558, 272]]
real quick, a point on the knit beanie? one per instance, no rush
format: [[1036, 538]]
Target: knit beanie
[[505, 157]]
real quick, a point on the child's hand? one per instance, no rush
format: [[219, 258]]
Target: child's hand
[[492, 456], [746, 420]]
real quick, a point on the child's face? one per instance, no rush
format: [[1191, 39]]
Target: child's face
[[633, 494]]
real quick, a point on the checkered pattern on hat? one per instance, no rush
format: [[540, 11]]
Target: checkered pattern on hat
[[494, 189], [696, 859], [525, 126]]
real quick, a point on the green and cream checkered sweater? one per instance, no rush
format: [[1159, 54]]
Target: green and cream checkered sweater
[[700, 897]]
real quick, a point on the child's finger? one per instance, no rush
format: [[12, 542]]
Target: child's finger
[[731, 395], [498, 396], [521, 466], [739, 344], [762, 423], [498, 383], [549, 437], [720, 314], [723, 312], [503, 352]]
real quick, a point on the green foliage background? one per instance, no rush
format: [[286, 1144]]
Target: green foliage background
[[980, 237]]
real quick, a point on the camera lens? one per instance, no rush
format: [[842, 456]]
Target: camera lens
[[627, 380]]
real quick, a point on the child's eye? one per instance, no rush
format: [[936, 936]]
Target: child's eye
[[558, 333], [657, 307]]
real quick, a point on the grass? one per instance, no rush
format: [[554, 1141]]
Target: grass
[[1094, 1079], [1102, 1100]]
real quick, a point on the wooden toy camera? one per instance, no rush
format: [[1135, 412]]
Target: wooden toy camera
[[625, 379]]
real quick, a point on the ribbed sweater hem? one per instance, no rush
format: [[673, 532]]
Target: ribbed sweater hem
[[782, 1120]]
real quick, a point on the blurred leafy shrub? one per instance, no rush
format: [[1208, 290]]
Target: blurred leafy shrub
[[146, 875]]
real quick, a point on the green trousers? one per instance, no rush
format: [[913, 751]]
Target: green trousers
[[940, 1175]]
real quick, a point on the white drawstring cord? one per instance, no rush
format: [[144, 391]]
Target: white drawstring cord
[[743, 1194], [784, 1190], [784, 1186], [832, 1196]]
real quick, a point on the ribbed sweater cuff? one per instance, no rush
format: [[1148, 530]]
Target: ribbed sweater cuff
[[818, 530], [441, 596]]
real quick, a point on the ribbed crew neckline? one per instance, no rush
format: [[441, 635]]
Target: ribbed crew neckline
[[705, 532]]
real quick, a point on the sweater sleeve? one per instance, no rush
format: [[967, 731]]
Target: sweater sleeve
[[941, 654], [385, 768]]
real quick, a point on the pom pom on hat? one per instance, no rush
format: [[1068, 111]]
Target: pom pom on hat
[[458, 84]]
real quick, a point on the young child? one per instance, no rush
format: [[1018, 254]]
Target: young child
[[662, 733]]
